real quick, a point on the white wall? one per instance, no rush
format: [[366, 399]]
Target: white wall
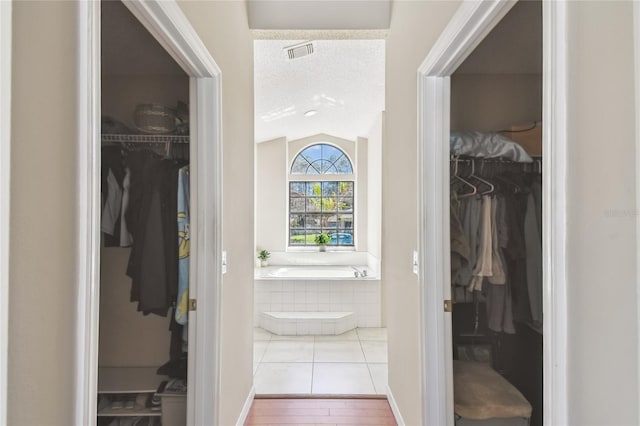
[[273, 162], [271, 195], [222, 26], [362, 194], [603, 358], [414, 28]]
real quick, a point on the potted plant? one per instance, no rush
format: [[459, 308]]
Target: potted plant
[[264, 256], [322, 240]]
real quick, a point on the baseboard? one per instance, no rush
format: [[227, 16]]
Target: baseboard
[[394, 407], [247, 406]]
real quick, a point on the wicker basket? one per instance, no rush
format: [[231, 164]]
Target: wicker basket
[[154, 118]]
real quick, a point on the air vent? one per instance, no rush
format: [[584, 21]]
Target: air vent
[[299, 50]]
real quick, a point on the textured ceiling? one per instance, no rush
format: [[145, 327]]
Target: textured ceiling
[[343, 81]]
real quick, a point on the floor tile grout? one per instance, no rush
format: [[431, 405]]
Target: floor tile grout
[[314, 360]]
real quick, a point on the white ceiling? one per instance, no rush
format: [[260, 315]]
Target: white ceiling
[[343, 81]]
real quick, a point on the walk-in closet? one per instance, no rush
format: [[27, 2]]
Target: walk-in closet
[[144, 257], [496, 225]]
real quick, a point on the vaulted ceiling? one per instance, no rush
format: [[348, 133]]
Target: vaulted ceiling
[[342, 81]]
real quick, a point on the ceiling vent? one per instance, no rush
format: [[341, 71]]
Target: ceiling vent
[[300, 50]]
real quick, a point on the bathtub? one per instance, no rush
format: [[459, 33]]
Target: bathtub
[[296, 289], [310, 272]]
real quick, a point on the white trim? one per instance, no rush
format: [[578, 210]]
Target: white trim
[[246, 407], [206, 245], [554, 207], [636, 46], [394, 408], [5, 194], [468, 27], [166, 22], [471, 23], [88, 254], [433, 186]]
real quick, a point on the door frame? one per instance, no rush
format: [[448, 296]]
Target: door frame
[[467, 28], [5, 193], [166, 22]]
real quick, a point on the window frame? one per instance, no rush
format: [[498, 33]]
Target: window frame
[[330, 177]]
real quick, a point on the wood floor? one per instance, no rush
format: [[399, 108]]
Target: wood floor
[[324, 412]]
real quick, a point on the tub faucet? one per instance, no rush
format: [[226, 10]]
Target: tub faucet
[[356, 272]]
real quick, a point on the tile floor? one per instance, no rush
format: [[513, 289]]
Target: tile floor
[[352, 363]]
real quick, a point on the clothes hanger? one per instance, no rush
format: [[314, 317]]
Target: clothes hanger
[[466, 183], [492, 187]]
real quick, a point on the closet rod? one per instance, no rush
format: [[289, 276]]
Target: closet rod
[[469, 160], [534, 166], [161, 139]]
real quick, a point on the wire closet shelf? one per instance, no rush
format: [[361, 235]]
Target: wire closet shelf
[[142, 139]]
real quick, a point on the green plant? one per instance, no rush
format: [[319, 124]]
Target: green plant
[[264, 255], [322, 239]]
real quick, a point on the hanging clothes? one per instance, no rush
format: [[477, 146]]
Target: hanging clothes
[[112, 174], [184, 250], [460, 250], [125, 236], [470, 210], [484, 262], [151, 219], [112, 205], [503, 268], [534, 260]]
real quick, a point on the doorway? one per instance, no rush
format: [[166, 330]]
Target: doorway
[[178, 37], [319, 314], [434, 155], [145, 187]]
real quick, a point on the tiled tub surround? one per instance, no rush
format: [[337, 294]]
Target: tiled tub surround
[[358, 295], [307, 323], [296, 293]]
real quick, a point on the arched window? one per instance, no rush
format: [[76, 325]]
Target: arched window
[[321, 159], [321, 205]]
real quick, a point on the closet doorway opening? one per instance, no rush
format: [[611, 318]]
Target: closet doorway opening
[[497, 294], [144, 275], [319, 305], [150, 123], [484, 123]]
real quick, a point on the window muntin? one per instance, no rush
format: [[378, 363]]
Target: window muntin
[[321, 206], [321, 159]]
